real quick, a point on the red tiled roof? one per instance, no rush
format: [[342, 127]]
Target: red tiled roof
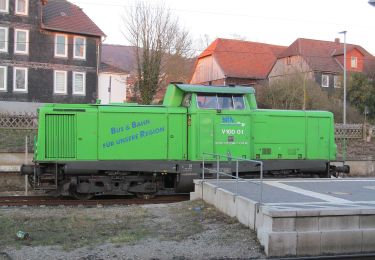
[[243, 59], [63, 16], [320, 55]]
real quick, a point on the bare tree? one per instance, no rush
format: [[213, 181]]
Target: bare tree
[[157, 35]]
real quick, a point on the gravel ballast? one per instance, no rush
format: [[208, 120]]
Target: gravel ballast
[[185, 230]]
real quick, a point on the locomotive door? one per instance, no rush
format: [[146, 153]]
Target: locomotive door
[[317, 137], [206, 133]]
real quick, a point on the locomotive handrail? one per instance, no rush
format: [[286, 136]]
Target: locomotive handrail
[[237, 159]]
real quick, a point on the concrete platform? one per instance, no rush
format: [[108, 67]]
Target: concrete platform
[[301, 217]]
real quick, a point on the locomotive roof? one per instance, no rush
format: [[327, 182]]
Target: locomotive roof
[[216, 89]]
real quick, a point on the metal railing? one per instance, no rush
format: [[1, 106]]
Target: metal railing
[[217, 158]]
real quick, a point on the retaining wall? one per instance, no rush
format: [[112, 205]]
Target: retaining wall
[[362, 168], [296, 232]]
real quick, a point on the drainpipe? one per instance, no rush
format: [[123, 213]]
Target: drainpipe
[[98, 60]]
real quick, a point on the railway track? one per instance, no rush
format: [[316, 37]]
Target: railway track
[[12, 201]]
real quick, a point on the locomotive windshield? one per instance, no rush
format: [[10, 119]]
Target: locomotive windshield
[[220, 101]]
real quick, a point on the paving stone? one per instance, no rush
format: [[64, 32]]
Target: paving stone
[[341, 242], [368, 243], [281, 244], [339, 223], [304, 224], [367, 221], [308, 243]]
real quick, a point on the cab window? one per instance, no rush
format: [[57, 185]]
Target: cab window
[[186, 102], [207, 101], [225, 101], [238, 102], [220, 101]]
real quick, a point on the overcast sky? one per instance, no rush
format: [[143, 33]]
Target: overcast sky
[[277, 22]]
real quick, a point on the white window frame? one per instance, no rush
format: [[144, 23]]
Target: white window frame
[[6, 10], [6, 39], [83, 82], [83, 57], [336, 81], [65, 55], [26, 8], [26, 52], [325, 86], [65, 85], [354, 62], [25, 89], [5, 78]]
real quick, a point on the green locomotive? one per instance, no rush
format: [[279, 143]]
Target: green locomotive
[[91, 149]]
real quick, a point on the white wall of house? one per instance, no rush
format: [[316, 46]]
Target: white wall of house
[[118, 88], [207, 69]]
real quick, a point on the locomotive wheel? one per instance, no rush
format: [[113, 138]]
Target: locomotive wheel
[[30, 178], [79, 196], [82, 196]]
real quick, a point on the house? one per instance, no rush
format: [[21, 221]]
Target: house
[[118, 74], [227, 61], [49, 52], [117, 67], [322, 61]]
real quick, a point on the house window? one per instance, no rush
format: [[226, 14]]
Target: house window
[[19, 79], [337, 81], [22, 7], [3, 78], [79, 83], [325, 81], [21, 41], [3, 39], [79, 47], [353, 62], [61, 45], [4, 6], [60, 82]]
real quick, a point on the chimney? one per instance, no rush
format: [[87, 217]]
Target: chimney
[[337, 40]]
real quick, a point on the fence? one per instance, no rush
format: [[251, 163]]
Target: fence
[[13, 130], [354, 131]]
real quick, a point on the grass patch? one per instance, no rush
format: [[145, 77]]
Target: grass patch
[[73, 230]]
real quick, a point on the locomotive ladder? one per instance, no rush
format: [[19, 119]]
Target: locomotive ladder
[[236, 177]]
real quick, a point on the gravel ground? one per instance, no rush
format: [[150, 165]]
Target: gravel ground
[[186, 230]]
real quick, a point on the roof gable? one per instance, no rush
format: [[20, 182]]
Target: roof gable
[[320, 55], [63, 16], [243, 59]]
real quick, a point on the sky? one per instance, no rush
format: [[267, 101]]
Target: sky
[[268, 21]]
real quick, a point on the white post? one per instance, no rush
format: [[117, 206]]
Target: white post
[[344, 77], [26, 161], [344, 109]]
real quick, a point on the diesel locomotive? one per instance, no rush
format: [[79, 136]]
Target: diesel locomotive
[[85, 150]]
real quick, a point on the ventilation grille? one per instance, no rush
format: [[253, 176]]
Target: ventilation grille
[[266, 151], [60, 136]]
